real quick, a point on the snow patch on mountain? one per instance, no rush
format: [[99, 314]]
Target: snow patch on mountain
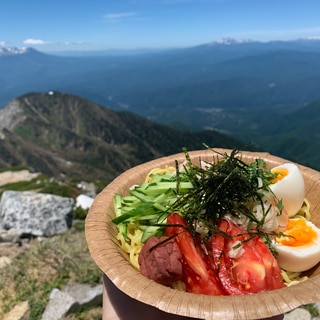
[[9, 51]]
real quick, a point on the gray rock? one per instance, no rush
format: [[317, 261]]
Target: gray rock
[[59, 305], [19, 312], [88, 188], [84, 294], [35, 213], [298, 314], [11, 116], [71, 299], [84, 201], [11, 235]]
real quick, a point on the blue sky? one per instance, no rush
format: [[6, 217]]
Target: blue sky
[[64, 25]]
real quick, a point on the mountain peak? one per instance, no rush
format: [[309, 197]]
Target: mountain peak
[[229, 41], [313, 38], [13, 51]]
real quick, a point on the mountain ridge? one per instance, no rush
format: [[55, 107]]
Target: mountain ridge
[[113, 79], [307, 42], [63, 135]]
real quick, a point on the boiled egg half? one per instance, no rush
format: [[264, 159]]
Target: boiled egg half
[[288, 186], [299, 248]]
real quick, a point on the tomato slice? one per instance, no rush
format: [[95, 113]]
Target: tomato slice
[[248, 268], [199, 276]]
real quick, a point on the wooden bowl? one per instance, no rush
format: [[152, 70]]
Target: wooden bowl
[[107, 254]]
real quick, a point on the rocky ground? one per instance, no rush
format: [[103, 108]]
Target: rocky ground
[[303, 314], [15, 176], [63, 303], [71, 297]]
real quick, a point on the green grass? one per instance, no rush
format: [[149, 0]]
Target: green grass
[[51, 263], [44, 184], [312, 309], [15, 168]]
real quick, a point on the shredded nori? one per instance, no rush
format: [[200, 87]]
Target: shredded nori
[[225, 186]]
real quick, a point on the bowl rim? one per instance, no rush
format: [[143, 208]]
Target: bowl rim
[[107, 254]]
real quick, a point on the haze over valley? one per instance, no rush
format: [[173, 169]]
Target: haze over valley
[[263, 93]]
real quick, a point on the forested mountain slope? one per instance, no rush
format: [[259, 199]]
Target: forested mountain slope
[[65, 135]]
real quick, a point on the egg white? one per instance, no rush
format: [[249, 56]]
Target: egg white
[[290, 189], [300, 258]]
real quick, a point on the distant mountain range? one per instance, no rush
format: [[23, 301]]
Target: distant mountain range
[[68, 137], [12, 51], [158, 85], [263, 93]]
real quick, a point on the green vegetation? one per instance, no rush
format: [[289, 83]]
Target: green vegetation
[[14, 169], [43, 184], [313, 310], [79, 213], [51, 263]]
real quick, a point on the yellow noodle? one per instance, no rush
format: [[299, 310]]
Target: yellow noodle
[[292, 278], [305, 210], [132, 244], [167, 169]]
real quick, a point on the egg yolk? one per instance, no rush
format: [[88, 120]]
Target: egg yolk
[[281, 173], [298, 233]]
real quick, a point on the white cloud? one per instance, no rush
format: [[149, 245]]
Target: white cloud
[[35, 41], [113, 17], [72, 43], [312, 38], [62, 43], [278, 34]]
